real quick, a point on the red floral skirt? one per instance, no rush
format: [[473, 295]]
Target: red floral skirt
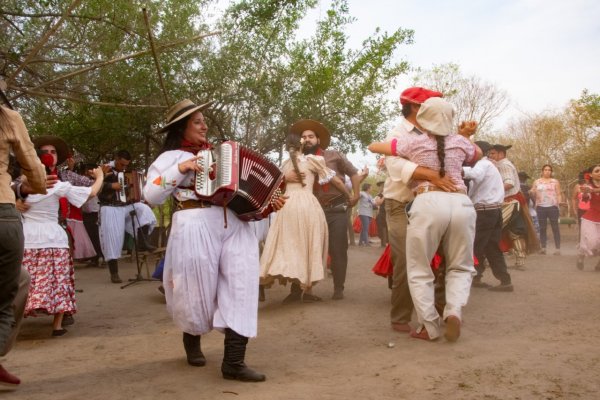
[[52, 289]]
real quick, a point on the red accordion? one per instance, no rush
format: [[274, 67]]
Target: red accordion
[[241, 179]]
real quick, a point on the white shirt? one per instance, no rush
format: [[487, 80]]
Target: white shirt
[[509, 176], [40, 222], [486, 183], [400, 170]]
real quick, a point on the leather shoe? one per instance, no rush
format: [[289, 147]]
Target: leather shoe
[[503, 287], [292, 298], [59, 332], [478, 284], [452, 328], [8, 380], [338, 294], [68, 320], [400, 327]]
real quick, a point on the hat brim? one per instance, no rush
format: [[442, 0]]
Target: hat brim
[[316, 127], [501, 147], [184, 114], [62, 150]]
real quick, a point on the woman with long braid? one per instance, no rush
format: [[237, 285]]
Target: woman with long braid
[[437, 217], [296, 247]]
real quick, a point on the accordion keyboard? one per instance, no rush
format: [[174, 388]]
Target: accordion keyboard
[[224, 164]]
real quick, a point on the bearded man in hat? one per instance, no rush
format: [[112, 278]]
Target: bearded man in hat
[[117, 217], [519, 232], [486, 190], [316, 139], [397, 195]]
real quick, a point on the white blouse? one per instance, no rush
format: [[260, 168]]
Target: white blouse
[[164, 178], [40, 222]]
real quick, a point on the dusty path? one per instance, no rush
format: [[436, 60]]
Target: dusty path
[[540, 342]]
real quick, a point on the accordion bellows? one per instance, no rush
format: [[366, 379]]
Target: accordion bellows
[[239, 178]]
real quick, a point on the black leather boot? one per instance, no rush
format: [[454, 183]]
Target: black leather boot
[[113, 268], [295, 294], [191, 344], [233, 366], [143, 239]]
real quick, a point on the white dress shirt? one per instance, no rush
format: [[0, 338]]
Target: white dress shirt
[[486, 186]]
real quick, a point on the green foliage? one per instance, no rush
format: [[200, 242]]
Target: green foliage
[[260, 74]]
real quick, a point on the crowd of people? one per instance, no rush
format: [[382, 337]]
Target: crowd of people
[[443, 194]]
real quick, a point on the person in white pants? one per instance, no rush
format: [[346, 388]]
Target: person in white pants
[[211, 269], [437, 217]]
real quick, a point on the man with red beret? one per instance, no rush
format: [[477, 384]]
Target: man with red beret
[[397, 195]]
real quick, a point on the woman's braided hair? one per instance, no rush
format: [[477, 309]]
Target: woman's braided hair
[[294, 145], [441, 153]]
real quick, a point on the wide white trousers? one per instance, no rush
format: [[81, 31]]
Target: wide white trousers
[[211, 272], [440, 218], [115, 221]]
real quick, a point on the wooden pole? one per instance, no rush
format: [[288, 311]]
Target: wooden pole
[[43, 40], [155, 57]]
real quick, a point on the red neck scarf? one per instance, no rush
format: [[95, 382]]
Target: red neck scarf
[[190, 147]]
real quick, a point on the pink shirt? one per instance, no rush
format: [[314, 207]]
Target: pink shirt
[[422, 150]]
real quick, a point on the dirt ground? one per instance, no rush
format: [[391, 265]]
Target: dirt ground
[[540, 342]]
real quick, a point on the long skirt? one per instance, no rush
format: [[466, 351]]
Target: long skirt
[[589, 244], [82, 246], [52, 289]]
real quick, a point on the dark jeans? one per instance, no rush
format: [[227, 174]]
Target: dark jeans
[[365, 221], [90, 221], [488, 231], [337, 223], [11, 255], [544, 214]]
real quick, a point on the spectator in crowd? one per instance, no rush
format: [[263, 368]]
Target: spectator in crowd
[[589, 245], [547, 197], [365, 212]]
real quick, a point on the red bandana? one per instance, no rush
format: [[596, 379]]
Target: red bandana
[[188, 146]]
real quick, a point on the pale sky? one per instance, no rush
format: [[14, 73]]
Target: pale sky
[[542, 53]]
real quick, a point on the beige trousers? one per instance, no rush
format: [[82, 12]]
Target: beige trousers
[[448, 219]]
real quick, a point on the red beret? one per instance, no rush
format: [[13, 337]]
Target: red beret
[[417, 95]]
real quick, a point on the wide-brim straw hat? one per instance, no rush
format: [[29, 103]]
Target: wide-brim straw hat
[[181, 110], [436, 116], [62, 150], [315, 126]]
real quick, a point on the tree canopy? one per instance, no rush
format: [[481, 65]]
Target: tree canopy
[[59, 59]]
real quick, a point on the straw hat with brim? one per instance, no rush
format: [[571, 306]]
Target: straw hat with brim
[[315, 126], [62, 150], [435, 116], [181, 110]]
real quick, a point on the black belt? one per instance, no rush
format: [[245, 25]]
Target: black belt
[[336, 209], [115, 204], [485, 207]]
